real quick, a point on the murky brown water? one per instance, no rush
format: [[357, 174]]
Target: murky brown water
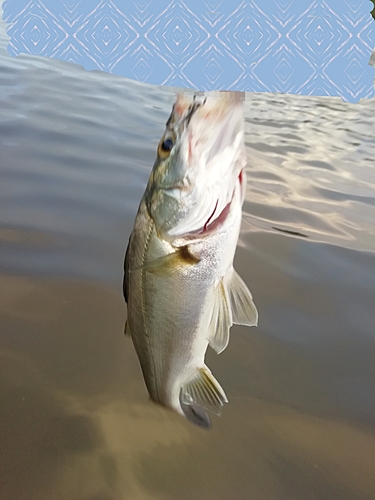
[[76, 149]]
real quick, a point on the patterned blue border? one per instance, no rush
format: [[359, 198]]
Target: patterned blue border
[[291, 46]]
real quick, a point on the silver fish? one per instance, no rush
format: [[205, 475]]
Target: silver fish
[[180, 286]]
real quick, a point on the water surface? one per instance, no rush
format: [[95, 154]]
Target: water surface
[[76, 149]]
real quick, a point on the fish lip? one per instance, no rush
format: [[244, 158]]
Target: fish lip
[[185, 112]]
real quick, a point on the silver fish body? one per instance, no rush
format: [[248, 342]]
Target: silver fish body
[[182, 291]]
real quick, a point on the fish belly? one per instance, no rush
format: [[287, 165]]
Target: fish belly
[[168, 307]]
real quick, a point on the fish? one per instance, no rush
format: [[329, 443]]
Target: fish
[[181, 289]]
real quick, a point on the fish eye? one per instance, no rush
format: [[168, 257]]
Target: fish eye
[[165, 147]]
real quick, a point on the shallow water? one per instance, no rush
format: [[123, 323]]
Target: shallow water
[[76, 149]]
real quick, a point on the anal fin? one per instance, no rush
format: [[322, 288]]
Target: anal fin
[[203, 391], [242, 306]]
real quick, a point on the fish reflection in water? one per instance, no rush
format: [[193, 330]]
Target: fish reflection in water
[[180, 286]]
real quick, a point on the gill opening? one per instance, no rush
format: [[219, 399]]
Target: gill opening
[[210, 217]]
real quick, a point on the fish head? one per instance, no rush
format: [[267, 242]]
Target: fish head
[[200, 158]]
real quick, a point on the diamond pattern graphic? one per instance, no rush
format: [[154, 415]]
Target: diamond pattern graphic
[[318, 34], [311, 47]]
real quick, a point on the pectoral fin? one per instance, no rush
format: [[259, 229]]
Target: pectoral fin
[[169, 263], [242, 306], [221, 320], [203, 391]]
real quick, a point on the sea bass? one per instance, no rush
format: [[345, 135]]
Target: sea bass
[[180, 286]]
